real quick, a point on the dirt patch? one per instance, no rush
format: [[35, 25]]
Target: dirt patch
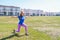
[[52, 31]]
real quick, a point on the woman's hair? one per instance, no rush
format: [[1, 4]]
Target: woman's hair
[[22, 13]]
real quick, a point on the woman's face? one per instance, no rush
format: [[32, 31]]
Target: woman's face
[[22, 14]]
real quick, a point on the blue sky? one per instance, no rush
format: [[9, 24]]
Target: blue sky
[[46, 5]]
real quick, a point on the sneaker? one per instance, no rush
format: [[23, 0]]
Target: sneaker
[[26, 34]]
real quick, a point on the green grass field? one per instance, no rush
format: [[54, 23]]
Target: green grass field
[[39, 28]]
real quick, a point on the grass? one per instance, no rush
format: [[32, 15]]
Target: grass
[[8, 24]]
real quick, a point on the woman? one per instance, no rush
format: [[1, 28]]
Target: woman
[[21, 18]]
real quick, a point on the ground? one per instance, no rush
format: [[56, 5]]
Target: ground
[[39, 28]]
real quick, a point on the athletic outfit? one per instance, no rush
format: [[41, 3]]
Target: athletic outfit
[[21, 23]]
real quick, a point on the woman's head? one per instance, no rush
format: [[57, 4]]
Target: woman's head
[[22, 13]]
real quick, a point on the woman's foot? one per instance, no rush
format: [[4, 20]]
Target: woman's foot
[[26, 34]]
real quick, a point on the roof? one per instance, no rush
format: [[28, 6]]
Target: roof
[[9, 6]]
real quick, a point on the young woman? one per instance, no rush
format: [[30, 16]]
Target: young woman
[[21, 18]]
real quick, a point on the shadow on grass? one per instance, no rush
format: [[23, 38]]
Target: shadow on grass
[[11, 36]]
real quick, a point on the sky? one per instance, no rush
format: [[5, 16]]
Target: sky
[[45, 5]]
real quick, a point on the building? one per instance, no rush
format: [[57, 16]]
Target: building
[[50, 13], [30, 12], [9, 10]]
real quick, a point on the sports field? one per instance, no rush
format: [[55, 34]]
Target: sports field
[[39, 28]]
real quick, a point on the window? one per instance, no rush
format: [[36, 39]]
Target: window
[[10, 13], [17, 9], [4, 13], [4, 9], [1, 9], [11, 9], [33, 14], [16, 13], [37, 14], [1, 14], [27, 14]]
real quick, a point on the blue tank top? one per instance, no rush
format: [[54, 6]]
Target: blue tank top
[[21, 19]]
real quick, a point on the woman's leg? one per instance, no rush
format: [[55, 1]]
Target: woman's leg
[[26, 28], [19, 26]]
